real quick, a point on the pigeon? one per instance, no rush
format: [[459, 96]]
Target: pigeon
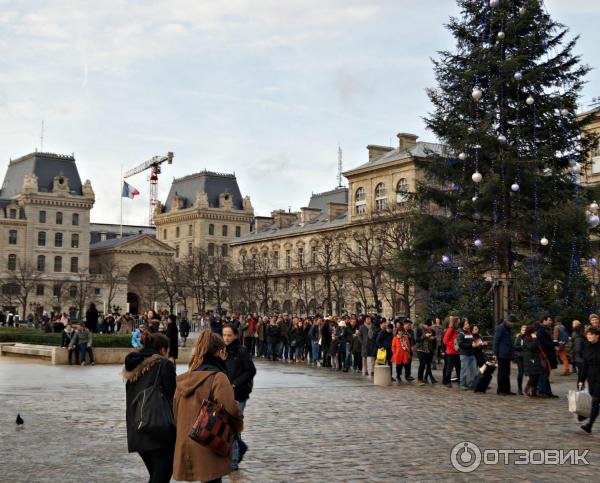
[[19, 421]]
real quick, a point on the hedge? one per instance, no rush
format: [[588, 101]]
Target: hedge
[[33, 336]]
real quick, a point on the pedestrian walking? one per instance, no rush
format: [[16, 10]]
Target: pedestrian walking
[[172, 334], [518, 346], [504, 351], [206, 379], [548, 351], [590, 374], [143, 369], [468, 363], [452, 360]]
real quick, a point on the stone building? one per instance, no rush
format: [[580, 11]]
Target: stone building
[[333, 255], [44, 231], [592, 174]]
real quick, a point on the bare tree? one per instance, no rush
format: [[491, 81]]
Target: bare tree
[[20, 284], [169, 274], [194, 271], [81, 293], [242, 286], [219, 269], [112, 276], [325, 258]]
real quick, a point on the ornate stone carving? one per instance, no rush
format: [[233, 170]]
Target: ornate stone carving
[[201, 200], [87, 190], [60, 184], [247, 205], [225, 200], [30, 183]]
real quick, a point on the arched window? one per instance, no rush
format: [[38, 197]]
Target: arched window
[[58, 264], [360, 201], [58, 238], [42, 239], [380, 197], [12, 262], [402, 191], [73, 291], [41, 263]]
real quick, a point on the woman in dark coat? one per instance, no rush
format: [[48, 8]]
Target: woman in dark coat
[[533, 361], [590, 373], [326, 343], [142, 369], [91, 318], [578, 345]]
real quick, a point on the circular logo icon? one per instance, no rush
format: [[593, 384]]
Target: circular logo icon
[[465, 457]]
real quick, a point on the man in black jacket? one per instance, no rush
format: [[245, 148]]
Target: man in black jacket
[[548, 347], [241, 372], [173, 334]]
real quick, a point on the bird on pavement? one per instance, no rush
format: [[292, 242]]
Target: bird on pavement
[[19, 421]]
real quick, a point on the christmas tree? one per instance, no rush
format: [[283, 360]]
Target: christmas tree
[[504, 202]]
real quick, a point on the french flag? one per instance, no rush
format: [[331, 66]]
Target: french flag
[[129, 191]]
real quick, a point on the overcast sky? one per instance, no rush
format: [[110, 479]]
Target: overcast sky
[[263, 88]]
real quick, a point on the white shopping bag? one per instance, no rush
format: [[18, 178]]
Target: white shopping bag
[[580, 403]]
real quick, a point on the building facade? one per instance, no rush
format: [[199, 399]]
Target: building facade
[[336, 254], [44, 232]]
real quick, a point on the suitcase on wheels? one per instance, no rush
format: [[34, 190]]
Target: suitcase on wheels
[[484, 377]]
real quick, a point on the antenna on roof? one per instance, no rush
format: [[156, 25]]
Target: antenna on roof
[[339, 174], [42, 138]]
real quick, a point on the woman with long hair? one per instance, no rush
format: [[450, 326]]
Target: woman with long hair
[[143, 369], [206, 378], [534, 362]]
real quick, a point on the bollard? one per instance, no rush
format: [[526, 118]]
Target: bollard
[[383, 376]]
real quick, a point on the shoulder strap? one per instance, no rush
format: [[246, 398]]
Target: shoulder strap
[[158, 372], [210, 391]]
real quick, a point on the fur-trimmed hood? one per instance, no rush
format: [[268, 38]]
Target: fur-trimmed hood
[[137, 364]]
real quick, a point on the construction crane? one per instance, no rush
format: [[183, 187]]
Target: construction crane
[[153, 164]]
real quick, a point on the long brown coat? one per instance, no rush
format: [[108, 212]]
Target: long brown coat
[[193, 461]]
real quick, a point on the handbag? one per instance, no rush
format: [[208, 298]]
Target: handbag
[[580, 403], [381, 356], [153, 412], [211, 428]]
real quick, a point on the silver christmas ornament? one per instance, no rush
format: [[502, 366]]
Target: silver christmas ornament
[[478, 243], [476, 177], [594, 220], [494, 3], [544, 241], [564, 112], [515, 187], [500, 35], [518, 76], [477, 93], [592, 262], [522, 11], [462, 156], [474, 199], [530, 101], [470, 129], [594, 206], [445, 259], [502, 139]]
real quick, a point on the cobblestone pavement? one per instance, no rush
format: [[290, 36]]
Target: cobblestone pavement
[[304, 424]]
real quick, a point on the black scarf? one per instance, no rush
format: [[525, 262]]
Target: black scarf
[[213, 364]]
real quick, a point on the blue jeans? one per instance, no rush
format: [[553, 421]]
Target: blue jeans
[[237, 442], [315, 353], [543, 387], [468, 367]]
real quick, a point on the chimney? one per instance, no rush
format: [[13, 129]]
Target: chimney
[[376, 151], [407, 141], [261, 223], [283, 219], [309, 214], [335, 209]]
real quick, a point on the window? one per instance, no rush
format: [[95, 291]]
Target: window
[[238, 231], [75, 219], [224, 230], [190, 230], [58, 238], [74, 264], [176, 232], [276, 260], [165, 234], [13, 214], [211, 229], [97, 291], [300, 257], [254, 261], [74, 240], [224, 251], [58, 264], [360, 201], [73, 291], [56, 290], [288, 259], [176, 251], [275, 285], [211, 249], [379, 244], [42, 217], [41, 263], [39, 290], [596, 158], [12, 262], [287, 285], [313, 284], [380, 197], [313, 255], [12, 237], [42, 239], [59, 218], [189, 248], [402, 191]]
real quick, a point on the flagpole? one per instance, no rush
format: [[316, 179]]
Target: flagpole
[[121, 231]]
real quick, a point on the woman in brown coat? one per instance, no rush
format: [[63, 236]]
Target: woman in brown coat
[[193, 461]]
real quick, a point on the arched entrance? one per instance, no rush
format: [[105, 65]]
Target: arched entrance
[[142, 287]]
